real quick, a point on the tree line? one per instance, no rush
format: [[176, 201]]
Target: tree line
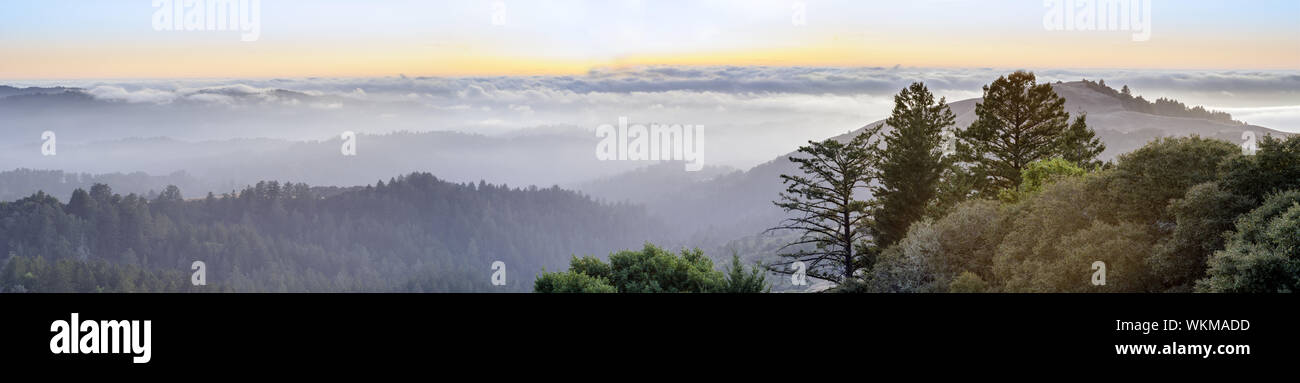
[[19, 183], [1162, 106]]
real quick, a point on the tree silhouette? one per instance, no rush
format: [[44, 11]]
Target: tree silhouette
[[831, 221]]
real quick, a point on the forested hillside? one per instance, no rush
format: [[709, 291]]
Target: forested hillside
[[413, 233]]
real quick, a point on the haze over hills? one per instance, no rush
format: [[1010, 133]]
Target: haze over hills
[[708, 208], [542, 159]]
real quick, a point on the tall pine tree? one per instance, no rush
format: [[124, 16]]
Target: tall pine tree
[[911, 163]]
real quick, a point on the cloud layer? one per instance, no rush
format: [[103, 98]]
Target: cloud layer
[[751, 113]]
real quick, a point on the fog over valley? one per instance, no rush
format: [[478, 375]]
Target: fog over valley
[[521, 130]]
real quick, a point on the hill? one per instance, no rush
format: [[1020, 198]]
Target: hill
[[414, 233]]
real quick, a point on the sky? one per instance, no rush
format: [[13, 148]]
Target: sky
[[118, 39]]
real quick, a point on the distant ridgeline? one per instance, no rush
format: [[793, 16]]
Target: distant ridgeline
[[6, 91], [19, 183], [414, 233], [1162, 106]]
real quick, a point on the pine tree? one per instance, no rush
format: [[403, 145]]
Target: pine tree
[[1018, 123], [830, 220], [911, 163], [1080, 145], [80, 204]]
